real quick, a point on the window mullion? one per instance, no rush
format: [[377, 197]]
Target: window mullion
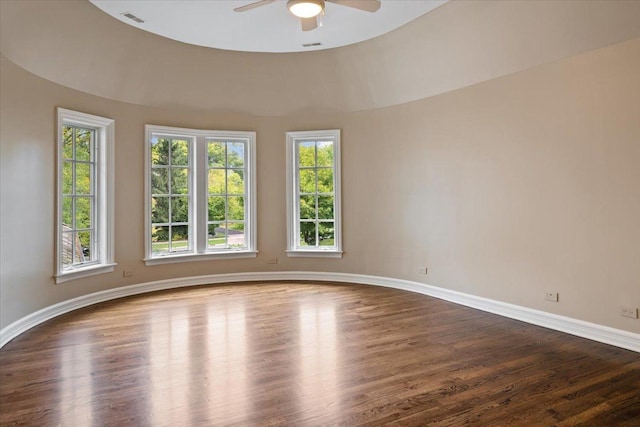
[[95, 215], [317, 207], [199, 194]]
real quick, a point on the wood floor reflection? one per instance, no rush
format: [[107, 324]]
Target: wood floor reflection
[[305, 354]]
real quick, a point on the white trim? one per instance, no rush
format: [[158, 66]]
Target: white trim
[[292, 194], [172, 259], [198, 183], [592, 331], [84, 272], [104, 189], [315, 253]]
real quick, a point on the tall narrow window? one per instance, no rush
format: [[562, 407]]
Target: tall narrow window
[[226, 190], [201, 194], [85, 195], [313, 193], [170, 194]]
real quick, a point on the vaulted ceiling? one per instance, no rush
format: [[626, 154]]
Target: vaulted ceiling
[[458, 44]]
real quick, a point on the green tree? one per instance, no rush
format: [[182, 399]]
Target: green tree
[[169, 181], [77, 184], [226, 184], [315, 174]]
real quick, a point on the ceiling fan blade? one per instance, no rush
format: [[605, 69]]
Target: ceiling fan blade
[[366, 5], [309, 24], [253, 5]]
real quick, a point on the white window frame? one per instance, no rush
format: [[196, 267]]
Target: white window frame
[[293, 214], [103, 197], [198, 227]]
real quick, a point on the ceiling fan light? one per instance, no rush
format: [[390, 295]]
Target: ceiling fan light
[[305, 8]]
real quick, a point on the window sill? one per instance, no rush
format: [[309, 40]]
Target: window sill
[[84, 272], [171, 259], [314, 253]]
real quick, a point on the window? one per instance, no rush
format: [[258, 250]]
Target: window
[[313, 193], [201, 197], [84, 195]]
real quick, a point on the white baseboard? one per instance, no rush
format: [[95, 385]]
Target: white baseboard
[[592, 331]]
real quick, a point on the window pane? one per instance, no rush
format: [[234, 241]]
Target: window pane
[[67, 248], [83, 178], [179, 181], [235, 181], [307, 207], [179, 209], [179, 237], [307, 234], [159, 151], [83, 144], [325, 180], [236, 208], [325, 207], [77, 248], [179, 153], [307, 181], [83, 212], [236, 234], [67, 178], [160, 239], [160, 210], [326, 234], [235, 155], [217, 208], [325, 153], [67, 212], [216, 154], [216, 181], [85, 246], [67, 142], [159, 181], [307, 154], [217, 237]]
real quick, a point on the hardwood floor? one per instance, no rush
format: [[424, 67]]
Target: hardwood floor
[[305, 354]]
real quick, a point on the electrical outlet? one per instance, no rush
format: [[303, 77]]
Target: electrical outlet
[[272, 260], [127, 273], [631, 312], [422, 270], [551, 296]]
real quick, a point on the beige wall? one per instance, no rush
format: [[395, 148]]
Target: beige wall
[[507, 189], [456, 45]]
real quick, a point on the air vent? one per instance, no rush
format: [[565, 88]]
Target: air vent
[[132, 17], [312, 44]]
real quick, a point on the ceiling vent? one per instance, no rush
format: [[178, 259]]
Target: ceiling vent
[[132, 17]]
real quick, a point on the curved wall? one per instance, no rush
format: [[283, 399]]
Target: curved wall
[[507, 189], [456, 45]]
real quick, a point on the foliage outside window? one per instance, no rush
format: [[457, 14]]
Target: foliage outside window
[[201, 197], [85, 195], [313, 193]]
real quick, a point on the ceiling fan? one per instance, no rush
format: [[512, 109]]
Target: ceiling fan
[[308, 10]]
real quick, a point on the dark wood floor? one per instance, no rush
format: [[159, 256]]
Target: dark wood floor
[[306, 354]]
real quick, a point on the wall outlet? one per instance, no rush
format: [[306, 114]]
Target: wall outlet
[[631, 312], [422, 270], [551, 296], [272, 260], [127, 273]]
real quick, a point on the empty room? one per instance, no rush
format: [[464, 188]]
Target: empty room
[[319, 212]]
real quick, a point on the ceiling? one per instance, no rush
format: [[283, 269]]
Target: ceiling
[[459, 44], [270, 28]]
